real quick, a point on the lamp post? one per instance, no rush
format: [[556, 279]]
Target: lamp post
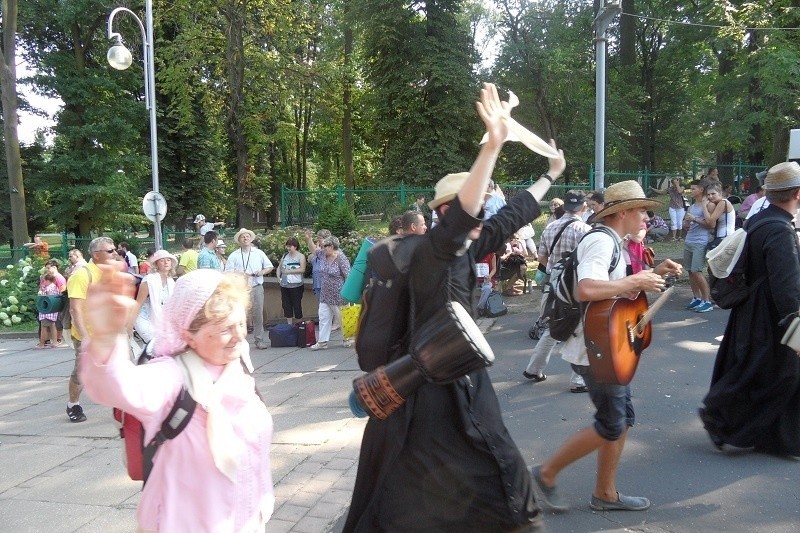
[[119, 57], [601, 23]]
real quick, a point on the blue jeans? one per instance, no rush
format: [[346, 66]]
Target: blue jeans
[[613, 404]]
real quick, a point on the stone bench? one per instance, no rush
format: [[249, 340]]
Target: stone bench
[[273, 310]]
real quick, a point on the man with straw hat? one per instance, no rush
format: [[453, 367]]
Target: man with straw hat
[[254, 264], [754, 399], [444, 460], [624, 213]]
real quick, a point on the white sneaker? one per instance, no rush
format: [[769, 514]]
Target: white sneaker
[[319, 346]]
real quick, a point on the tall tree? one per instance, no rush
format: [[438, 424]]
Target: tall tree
[[99, 161], [8, 93], [419, 61]]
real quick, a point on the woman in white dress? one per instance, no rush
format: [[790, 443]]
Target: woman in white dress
[[154, 291]]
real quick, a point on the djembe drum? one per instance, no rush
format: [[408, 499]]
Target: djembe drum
[[447, 347]]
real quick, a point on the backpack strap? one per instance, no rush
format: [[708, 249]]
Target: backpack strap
[[615, 256], [558, 236], [175, 422]]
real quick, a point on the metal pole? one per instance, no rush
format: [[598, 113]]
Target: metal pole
[[600, 113], [149, 93], [150, 80], [601, 23]]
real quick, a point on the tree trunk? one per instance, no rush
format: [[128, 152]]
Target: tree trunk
[[8, 88], [234, 57], [347, 104]]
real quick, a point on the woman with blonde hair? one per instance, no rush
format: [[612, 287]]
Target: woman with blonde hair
[[215, 475]]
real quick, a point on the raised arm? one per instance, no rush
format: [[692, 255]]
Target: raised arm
[[492, 112], [557, 166]]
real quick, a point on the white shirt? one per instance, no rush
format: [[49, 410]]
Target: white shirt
[[205, 228], [595, 252], [759, 205], [249, 262]]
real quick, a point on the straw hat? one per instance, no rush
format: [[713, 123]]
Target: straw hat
[[447, 188], [242, 232], [163, 254], [624, 195], [783, 176]]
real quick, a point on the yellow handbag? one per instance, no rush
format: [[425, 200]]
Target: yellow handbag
[[350, 316]]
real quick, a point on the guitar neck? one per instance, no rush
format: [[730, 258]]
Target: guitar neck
[[653, 309]]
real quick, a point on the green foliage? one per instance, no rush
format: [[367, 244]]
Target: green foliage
[[273, 242], [338, 219], [19, 285]]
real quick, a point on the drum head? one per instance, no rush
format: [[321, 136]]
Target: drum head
[[470, 331]]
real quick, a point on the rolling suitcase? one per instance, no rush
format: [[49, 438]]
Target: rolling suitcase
[[282, 336], [306, 335]]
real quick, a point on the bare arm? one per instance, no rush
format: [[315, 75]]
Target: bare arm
[[557, 166], [492, 111], [592, 290], [712, 212], [144, 292], [312, 246]]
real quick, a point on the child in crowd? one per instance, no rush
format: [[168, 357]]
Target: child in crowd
[[48, 320]]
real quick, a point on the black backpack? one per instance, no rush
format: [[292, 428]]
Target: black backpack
[[734, 289], [562, 309], [386, 301]]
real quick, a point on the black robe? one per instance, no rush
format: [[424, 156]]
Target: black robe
[[754, 398], [445, 461]]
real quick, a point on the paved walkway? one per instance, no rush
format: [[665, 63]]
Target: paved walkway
[[56, 476]]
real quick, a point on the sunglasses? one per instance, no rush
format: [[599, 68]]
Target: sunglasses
[[326, 245], [109, 252]]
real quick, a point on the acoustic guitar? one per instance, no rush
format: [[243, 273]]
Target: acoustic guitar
[[616, 332]]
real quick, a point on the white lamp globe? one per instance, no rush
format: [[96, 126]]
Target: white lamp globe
[[119, 57]]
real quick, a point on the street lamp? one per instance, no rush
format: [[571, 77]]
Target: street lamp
[[604, 17], [119, 57]]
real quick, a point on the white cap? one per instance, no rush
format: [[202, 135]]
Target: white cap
[[220, 244], [199, 218]]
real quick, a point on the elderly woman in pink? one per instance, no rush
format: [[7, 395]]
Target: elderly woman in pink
[[215, 475]]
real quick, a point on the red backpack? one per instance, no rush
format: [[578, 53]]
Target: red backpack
[[138, 455]]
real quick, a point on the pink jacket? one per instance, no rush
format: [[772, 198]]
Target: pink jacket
[[185, 491]]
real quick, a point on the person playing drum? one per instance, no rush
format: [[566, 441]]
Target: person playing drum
[[444, 460]]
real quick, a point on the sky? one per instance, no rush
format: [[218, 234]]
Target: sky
[[28, 123]]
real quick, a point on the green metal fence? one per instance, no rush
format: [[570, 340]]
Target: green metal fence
[[172, 241], [300, 207]]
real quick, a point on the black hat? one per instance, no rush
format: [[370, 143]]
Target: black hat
[[574, 200]]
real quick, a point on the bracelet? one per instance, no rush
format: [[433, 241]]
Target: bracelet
[[548, 178]]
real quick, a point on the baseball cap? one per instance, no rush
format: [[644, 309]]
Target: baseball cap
[[199, 218], [574, 200]]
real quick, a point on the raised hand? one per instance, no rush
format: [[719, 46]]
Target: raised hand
[[557, 164], [493, 113], [109, 303]]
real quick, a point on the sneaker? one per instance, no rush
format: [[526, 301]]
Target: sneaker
[[75, 414], [319, 346], [704, 307], [694, 303], [261, 345], [537, 378], [548, 495], [623, 503]]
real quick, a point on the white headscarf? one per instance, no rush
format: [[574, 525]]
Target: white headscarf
[[190, 294]]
